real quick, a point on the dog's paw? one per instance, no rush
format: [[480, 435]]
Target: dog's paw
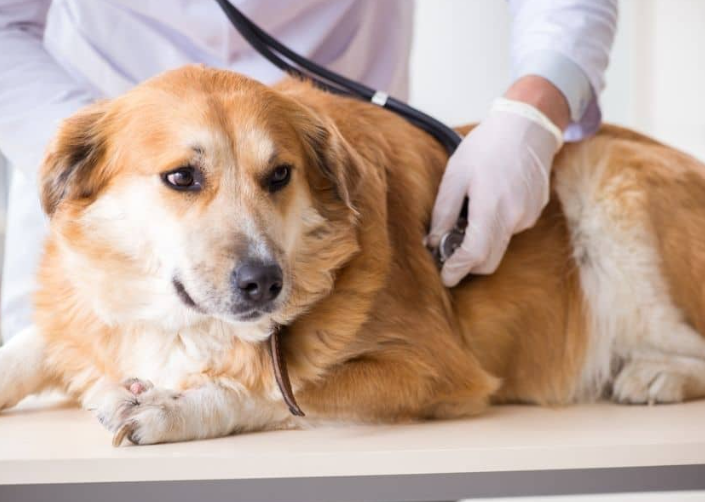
[[112, 403], [647, 382], [137, 411], [11, 392], [150, 415]]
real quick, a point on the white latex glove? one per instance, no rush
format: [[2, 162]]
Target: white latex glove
[[504, 167]]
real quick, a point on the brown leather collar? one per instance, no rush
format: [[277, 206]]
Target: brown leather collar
[[281, 374]]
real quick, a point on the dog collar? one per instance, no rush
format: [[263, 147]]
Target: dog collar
[[281, 373]]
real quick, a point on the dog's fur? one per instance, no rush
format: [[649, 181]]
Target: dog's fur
[[605, 296]]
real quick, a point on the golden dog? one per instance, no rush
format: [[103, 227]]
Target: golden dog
[[197, 211]]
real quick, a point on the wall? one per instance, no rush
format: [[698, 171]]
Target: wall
[[654, 82]]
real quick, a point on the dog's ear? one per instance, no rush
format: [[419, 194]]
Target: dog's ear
[[333, 159], [68, 171]]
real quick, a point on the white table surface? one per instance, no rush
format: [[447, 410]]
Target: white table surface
[[45, 442]]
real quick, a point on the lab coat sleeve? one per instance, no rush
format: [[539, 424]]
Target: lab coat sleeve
[[567, 42], [35, 91]]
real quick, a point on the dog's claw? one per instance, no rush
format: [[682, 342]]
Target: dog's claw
[[123, 432]]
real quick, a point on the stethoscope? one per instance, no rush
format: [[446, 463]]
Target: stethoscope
[[286, 60]]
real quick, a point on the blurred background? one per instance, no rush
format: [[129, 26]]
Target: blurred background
[[655, 80]]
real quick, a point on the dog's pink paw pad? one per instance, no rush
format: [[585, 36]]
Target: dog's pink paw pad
[[137, 386]]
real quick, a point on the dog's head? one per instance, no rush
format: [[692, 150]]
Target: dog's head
[[202, 193]]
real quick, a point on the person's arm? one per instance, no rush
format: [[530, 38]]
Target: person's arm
[[35, 91], [566, 42], [560, 50]]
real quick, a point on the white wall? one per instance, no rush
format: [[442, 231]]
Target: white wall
[[655, 82], [460, 57]]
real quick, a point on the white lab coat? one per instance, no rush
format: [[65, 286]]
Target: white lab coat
[[56, 56]]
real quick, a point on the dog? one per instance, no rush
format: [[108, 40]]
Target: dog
[[198, 211]]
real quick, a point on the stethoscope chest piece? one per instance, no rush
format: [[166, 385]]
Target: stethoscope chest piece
[[450, 242]]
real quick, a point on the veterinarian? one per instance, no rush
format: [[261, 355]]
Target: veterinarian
[[57, 56]]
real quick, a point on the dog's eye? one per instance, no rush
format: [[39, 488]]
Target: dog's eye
[[183, 178], [279, 178]]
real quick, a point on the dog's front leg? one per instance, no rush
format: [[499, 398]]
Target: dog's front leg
[[392, 389], [22, 367], [144, 414]]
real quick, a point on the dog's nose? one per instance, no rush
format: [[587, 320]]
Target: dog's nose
[[258, 283]]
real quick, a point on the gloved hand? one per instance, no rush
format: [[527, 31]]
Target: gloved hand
[[504, 167]]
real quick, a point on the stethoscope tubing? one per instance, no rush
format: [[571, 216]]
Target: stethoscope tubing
[[278, 54]]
